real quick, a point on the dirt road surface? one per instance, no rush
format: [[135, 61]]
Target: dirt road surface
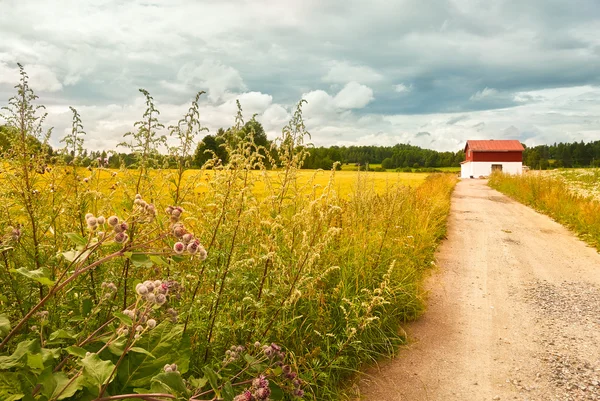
[[513, 312]]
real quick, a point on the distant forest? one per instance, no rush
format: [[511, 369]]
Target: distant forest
[[400, 156]]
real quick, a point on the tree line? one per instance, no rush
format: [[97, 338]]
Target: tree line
[[575, 154]]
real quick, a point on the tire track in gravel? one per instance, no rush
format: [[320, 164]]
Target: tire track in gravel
[[513, 312]]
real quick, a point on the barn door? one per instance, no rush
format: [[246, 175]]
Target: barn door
[[496, 167]]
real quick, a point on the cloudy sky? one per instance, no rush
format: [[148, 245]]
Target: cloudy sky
[[431, 73]]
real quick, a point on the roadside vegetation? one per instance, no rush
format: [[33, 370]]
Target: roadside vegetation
[[247, 280], [559, 196]]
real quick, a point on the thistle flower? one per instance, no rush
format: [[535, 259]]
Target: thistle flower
[[123, 331], [179, 248], [113, 221], [100, 234], [129, 313], [120, 237], [92, 223], [137, 336], [139, 328], [260, 382], [149, 285], [157, 283], [202, 254], [151, 323], [179, 231], [138, 196], [193, 247], [88, 215], [263, 393], [141, 289], [167, 368], [187, 238], [151, 298], [299, 392], [245, 396], [161, 299], [169, 210]]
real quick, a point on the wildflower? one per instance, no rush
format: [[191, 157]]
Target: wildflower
[[187, 238], [167, 368], [193, 247], [179, 231], [88, 215], [139, 328], [141, 289], [92, 223], [202, 254], [174, 367], [129, 313], [286, 369], [299, 392], [161, 299], [121, 237], [86, 179], [138, 196], [34, 328], [257, 344], [179, 248], [123, 331], [151, 323], [149, 285], [101, 234], [137, 336], [245, 396], [113, 220], [151, 298], [263, 393], [169, 210], [260, 382], [157, 283]]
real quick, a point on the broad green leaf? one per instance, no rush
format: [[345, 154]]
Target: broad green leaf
[[61, 334], [117, 347], [4, 325], [35, 362], [197, 383], [19, 358], [141, 260], [140, 350], [177, 258], [65, 387], [10, 387], [158, 260], [76, 351], [167, 344], [77, 239], [212, 377], [276, 391], [126, 320], [228, 392], [169, 382], [39, 275], [96, 371]]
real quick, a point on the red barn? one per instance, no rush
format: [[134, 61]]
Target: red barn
[[483, 157]]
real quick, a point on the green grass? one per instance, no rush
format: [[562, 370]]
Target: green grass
[[555, 197]]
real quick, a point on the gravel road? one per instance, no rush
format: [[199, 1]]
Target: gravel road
[[513, 312]]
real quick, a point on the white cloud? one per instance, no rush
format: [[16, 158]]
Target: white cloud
[[218, 78], [401, 88], [353, 96], [485, 93], [343, 72], [41, 78]]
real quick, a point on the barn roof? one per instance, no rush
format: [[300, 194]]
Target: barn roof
[[500, 145]]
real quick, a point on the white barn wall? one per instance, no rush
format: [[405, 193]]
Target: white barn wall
[[477, 169]]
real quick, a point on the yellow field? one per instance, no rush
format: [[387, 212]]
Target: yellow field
[[106, 180]]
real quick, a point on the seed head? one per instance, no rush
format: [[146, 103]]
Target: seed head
[[263, 393], [157, 283], [161, 299], [120, 237], [179, 231], [151, 323], [169, 210], [101, 220], [88, 215], [187, 238], [151, 298], [129, 313], [168, 368], [113, 220], [139, 328], [202, 254], [141, 289], [193, 247], [179, 247], [138, 196], [149, 285]]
